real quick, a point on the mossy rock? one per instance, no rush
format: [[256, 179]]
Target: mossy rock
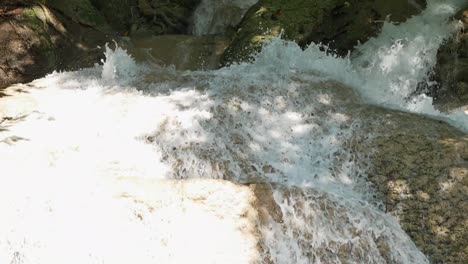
[[38, 40], [337, 23], [420, 172], [80, 11], [29, 47]]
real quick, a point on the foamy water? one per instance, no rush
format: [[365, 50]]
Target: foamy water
[[283, 119]]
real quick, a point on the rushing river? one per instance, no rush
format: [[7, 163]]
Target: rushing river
[[283, 119]]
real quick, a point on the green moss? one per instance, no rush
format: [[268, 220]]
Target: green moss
[[35, 19]]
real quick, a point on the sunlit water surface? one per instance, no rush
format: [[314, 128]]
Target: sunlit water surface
[[282, 119]]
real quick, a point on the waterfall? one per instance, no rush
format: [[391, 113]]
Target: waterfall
[[283, 120]]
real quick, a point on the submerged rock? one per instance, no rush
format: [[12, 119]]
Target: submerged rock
[[451, 71], [339, 24]]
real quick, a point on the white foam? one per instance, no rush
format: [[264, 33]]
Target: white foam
[[277, 119], [393, 63]]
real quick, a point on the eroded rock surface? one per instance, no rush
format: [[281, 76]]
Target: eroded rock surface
[[419, 168]]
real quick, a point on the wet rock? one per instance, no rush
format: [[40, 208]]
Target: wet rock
[[339, 24], [185, 52], [268, 169], [164, 17], [312, 225], [120, 14], [6, 4], [266, 204], [419, 172], [28, 50], [451, 71], [217, 17], [80, 11], [38, 39]]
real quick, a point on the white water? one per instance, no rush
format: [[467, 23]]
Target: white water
[[395, 62], [215, 16], [279, 119]]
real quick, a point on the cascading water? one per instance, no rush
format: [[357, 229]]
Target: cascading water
[[284, 119], [394, 63]]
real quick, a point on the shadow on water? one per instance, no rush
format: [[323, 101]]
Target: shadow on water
[[6, 123], [311, 133], [291, 129], [295, 132]]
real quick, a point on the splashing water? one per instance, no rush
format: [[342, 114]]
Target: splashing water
[[393, 63], [283, 119]]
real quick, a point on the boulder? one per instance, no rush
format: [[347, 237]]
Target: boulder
[[29, 44], [416, 166], [80, 11], [419, 169], [164, 17], [39, 39], [451, 71], [339, 24], [185, 52], [120, 14]]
